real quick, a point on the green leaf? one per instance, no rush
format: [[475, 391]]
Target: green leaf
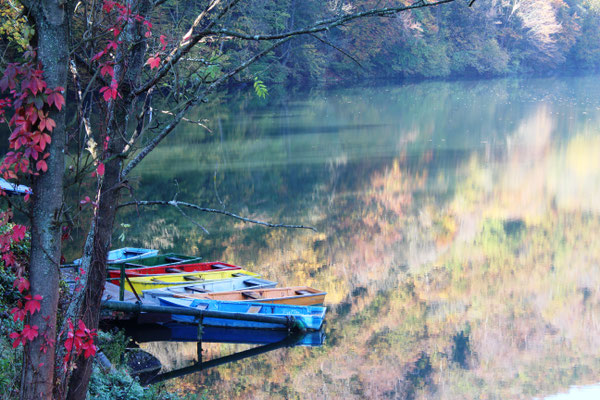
[[260, 88]]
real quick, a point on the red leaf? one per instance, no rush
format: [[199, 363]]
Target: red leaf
[[9, 259], [50, 124], [112, 44], [69, 344], [107, 69], [19, 232], [41, 166], [56, 99], [116, 31], [30, 332], [32, 304], [100, 169], [153, 62], [97, 56], [18, 339], [110, 92], [18, 313], [21, 284], [90, 349], [36, 84], [108, 6]]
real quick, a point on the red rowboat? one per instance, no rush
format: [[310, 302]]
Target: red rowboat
[[172, 269]]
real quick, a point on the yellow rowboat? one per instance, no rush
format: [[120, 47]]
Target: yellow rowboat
[[140, 283], [296, 295]]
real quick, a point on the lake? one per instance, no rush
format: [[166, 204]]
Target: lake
[[457, 234]]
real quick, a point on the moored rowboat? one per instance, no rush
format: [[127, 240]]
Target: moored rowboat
[[126, 254], [297, 295], [172, 269], [222, 285], [310, 316], [156, 260], [140, 283]]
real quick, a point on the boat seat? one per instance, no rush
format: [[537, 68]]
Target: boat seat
[[303, 292], [173, 270], [196, 290], [202, 306], [219, 266], [192, 278], [156, 280], [254, 309], [252, 295]]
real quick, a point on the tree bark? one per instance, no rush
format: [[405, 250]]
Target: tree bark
[[51, 21]]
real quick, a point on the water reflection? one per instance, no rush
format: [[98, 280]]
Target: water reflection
[[457, 234], [155, 338]]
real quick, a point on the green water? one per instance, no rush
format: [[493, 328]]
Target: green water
[[457, 234]]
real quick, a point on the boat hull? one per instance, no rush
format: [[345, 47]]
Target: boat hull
[[311, 316], [188, 332]]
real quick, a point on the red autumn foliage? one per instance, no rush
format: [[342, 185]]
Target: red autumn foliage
[[79, 341]]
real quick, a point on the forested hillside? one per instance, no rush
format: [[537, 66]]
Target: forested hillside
[[490, 38]]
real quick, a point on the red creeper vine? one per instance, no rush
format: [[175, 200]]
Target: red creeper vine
[[30, 99]]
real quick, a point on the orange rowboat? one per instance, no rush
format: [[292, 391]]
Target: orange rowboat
[[296, 295]]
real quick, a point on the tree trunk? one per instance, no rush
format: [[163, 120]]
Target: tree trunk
[[129, 64], [51, 23]]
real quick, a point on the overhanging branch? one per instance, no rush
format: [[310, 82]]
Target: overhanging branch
[[178, 204]]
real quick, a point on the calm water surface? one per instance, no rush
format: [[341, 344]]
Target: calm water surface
[[457, 235]]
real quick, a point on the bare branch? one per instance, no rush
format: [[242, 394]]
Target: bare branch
[[177, 204], [328, 43], [174, 202], [199, 123]]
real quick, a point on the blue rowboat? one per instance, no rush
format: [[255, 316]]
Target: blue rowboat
[[311, 316], [178, 332], [14, 188], [222, 285], [126, 254]]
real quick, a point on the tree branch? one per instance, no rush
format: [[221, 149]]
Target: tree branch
[[177, 204], [328, 43], [328, 24]]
